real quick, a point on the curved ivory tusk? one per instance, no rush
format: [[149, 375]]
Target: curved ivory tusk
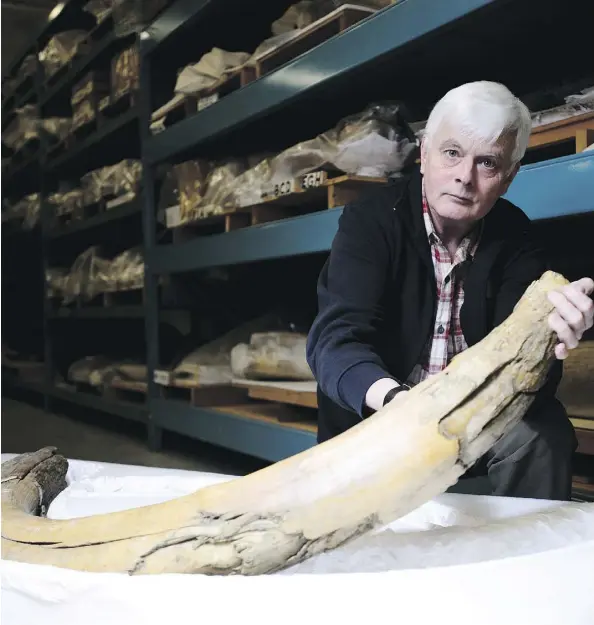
[[405, 454]]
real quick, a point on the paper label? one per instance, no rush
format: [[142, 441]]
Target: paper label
[[207, 101], [162, 377], [313, 179], [128, 197], [172, 216]]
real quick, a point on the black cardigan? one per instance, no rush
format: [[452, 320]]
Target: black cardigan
[[377, 295]]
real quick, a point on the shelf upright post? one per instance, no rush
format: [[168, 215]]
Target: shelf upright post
[[45, 222], [149, 226], [48, 355]]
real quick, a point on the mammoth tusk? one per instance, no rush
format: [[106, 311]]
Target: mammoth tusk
[[405, 454]]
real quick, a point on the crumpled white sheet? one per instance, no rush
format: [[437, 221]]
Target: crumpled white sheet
[[457, 559]]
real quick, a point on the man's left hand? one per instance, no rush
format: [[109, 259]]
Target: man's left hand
[[573, 315]]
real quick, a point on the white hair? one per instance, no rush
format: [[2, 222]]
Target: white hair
[[484, 111]]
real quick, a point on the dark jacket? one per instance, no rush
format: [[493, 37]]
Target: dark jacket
[[377, 295]]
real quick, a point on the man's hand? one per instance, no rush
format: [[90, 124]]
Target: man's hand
[[574, 314]]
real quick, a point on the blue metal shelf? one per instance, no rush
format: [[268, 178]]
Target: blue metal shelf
[[94, 141], [259, 438], [126, 410], [374, 37], [178, 318], [556, 188], [24, 385], [180, 15], [120, 212], [559, 187], [99, 312], [306, 234], [109, 44]]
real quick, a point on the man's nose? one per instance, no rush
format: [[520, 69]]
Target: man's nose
[[465, 171]]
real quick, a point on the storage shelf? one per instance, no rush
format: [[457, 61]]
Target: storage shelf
[[98, 312], [561, 187], [180, 318], [382, 57], [385, 57], [122, 409], [126, 410], [365, 42], [105, 46], [94, 142], [24, 385], [109, 215], [306, 234], [262, 439]]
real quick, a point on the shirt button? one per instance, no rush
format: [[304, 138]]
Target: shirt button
[[447, 280], [440, 330]]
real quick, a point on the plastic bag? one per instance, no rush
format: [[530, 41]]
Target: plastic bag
[[32, 211], [28, 209], [56, 128], [211, 363], [272, 356], [125, 72], [126, 271], [55, 279], [191, 178], [88, 276], [24, 128], [60, 49], [99, 9], [117, 180], [123, 178], [92, 185], [216, 187], [210, 69], [89, 370], [306, 12], [375, 142], [66, 202]]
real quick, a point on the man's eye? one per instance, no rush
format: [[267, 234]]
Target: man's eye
[[451, 153], [489, 163]]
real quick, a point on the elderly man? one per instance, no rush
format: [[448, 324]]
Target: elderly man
[[428, 266]]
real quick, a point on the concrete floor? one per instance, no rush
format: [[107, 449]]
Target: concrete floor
[[81, 436]]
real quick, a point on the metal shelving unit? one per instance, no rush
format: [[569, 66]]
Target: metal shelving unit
[[399, 38], [389, 55], [38, 173]]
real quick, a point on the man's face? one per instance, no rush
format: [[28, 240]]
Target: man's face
[[463, 178]]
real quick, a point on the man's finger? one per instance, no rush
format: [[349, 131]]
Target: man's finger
[[561, 351], [564, 332], [581, 301], [585, 285], [571, 315]]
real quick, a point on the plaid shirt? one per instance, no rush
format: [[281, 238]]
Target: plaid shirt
[[447, 339]]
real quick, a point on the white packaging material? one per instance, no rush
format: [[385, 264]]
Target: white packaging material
[[459, 559], [372, 155]]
